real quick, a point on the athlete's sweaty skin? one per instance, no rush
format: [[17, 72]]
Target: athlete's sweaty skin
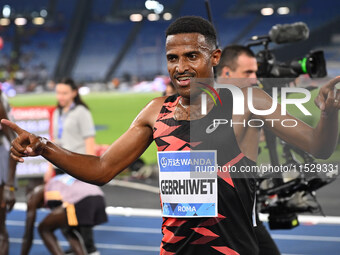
[[188, 54]]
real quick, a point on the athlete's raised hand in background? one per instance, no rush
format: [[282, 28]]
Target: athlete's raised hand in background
[[26, 144]]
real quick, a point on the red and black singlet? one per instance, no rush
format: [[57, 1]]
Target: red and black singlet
[[232, 231]]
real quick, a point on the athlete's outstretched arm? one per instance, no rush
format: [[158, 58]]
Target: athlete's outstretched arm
[[319, 141], [88, 168]]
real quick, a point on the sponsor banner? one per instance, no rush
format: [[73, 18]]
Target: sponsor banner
[[36, 120]]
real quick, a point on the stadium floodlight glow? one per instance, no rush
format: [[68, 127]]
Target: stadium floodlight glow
[[43, 13], [267, 11], [153, 17], [283, 10], [38, 21], [155, 6], [84, 90], [159, 9], [20, 21], [6, 11], [151, 4], [4, 22], [167, 16], [136, 17]]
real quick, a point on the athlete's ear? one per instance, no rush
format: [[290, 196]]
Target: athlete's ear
[[215, 57]]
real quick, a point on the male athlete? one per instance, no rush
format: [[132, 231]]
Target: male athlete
[[191, 53], [239, 62]]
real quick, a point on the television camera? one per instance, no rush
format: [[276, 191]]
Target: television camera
[[283, 196]]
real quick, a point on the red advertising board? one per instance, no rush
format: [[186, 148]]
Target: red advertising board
[[36, 120]]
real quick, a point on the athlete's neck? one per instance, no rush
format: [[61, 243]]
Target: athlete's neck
[[190, 110]]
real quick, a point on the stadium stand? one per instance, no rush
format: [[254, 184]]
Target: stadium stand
[[109, 29]]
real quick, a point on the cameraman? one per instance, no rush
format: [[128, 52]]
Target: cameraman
[[238, 62]]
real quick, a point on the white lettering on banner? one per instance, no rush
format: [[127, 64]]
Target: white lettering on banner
[[34, 113]]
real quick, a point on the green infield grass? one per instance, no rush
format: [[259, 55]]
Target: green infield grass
[[114, 112]]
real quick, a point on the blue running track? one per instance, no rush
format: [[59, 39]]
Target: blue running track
[[141, 235]]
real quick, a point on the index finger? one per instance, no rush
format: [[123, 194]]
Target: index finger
[[331, 84], [12, 126]]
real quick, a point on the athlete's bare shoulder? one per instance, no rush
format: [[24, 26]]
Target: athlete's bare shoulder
[[149, 114], [158, 101]]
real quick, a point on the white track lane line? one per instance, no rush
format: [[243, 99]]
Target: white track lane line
[[129, 211], [98, 245]]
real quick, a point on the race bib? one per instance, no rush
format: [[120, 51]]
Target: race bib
[[188, 183]]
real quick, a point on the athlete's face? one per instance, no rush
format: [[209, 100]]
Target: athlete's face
[[189, 56], [65, 94]]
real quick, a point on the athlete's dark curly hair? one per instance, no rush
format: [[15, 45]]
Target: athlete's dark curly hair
[[193, 24]]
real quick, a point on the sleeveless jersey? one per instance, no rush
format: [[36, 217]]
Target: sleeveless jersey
[[231, 232]]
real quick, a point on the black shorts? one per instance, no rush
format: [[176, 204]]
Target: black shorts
[[89, 211]]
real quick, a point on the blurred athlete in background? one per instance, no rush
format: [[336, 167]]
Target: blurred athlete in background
[[77, 206], [7, 174]]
